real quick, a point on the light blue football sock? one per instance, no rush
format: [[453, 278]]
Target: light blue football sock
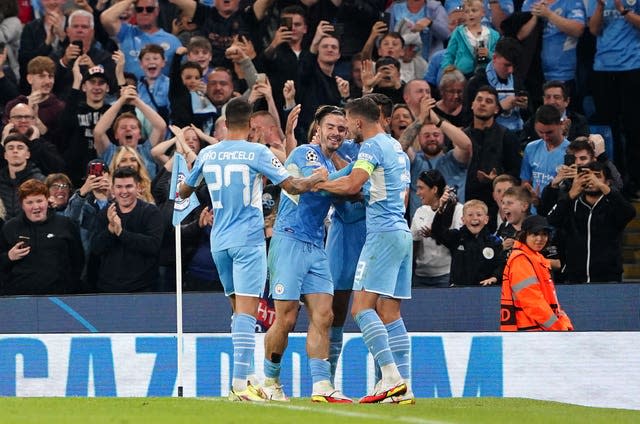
[[243, 338], [320, 370], [400, 347], [271, 369], [375, 336]]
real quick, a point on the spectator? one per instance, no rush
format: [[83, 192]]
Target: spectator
[[199, 51], [495, 149], [220, 87], [449, 106], [60, 188], [127, 130], [18, 170], [385, 79], [616, 81], [593, 217], [221, 23], [80, 41], [514, 207], [401, 118], [500, 184], [128, 238], [317, 76], [431, 130], [153, 86], [543, 156], [528, 300], [48, 108], [128, 157], [475, 252], [495, 11], [41, 250], [86, 105], [83, 209], [283, 55], [413, 93], [44, 155], [471, 44], [265, 129], [10, 31], [425, 17], [499, 75], [412, 64], [132, 38], [555, 94], [40, 37], [8, 84], [432, 261]]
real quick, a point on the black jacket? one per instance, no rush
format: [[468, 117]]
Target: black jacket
[[129, 262], [593, 236], [473, 258], [9, 187], [53, 265]]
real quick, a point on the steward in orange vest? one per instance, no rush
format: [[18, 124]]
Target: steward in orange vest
[[529, 301]]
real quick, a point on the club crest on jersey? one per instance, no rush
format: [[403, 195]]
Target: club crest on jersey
[[278, 288], [311, 156], [276, 163]]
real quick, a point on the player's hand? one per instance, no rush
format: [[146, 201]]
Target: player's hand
[[206, 217], [289, 93], [321, 174]]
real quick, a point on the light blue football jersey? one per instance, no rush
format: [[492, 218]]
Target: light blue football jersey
[[302, 216], [382, 157], [233, 171]]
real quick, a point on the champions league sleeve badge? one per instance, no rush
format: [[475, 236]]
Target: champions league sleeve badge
[[488, 253]]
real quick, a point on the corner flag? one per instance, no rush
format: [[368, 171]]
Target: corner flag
[[181, 207]]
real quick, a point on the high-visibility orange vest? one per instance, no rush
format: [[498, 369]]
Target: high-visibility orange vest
[[529, 301]]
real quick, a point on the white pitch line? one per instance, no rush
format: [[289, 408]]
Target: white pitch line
[[411, 420]]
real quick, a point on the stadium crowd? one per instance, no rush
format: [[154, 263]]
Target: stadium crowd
[[496, 103]]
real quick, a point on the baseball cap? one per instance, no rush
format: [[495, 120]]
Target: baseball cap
[[536, 223], [95, 72]]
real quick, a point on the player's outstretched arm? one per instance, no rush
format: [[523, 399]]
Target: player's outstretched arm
[[295, 185], [348, 185]]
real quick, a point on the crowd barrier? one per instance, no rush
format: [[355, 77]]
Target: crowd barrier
[[121, 345]]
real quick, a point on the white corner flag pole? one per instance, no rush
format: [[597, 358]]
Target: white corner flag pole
[[179, 306]]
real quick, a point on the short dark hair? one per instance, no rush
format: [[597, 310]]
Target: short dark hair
[[14, 136], [151, 48], [325, 110], [295, 9], [556, 84], [509, 48], [383, 101], [548, 115], [126, 172], [395, 35], [388, 60], [433, 178], [600, 167], [581, 143], [238, 113], [364, 107], [191, 65]]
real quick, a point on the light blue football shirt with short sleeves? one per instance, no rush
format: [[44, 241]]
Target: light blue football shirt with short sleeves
[[382, 157], [233, 171]]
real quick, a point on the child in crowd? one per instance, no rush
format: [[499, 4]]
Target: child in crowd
[[471, 45], [190, 105], [475, 252], [153, 88], [500, 184], [199, 51], [515, 208]]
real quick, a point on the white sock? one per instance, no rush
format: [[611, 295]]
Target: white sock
[[323, 386], [239, 384], [390, 375]]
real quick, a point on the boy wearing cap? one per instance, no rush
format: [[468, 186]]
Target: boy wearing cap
[[86, 105]]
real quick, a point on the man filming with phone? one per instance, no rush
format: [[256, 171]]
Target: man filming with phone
[[592, 218], [80, 41]]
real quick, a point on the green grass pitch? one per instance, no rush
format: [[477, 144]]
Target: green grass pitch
[[218, 410]]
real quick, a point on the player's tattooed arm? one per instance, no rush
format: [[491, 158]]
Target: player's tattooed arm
[[302, 185]]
